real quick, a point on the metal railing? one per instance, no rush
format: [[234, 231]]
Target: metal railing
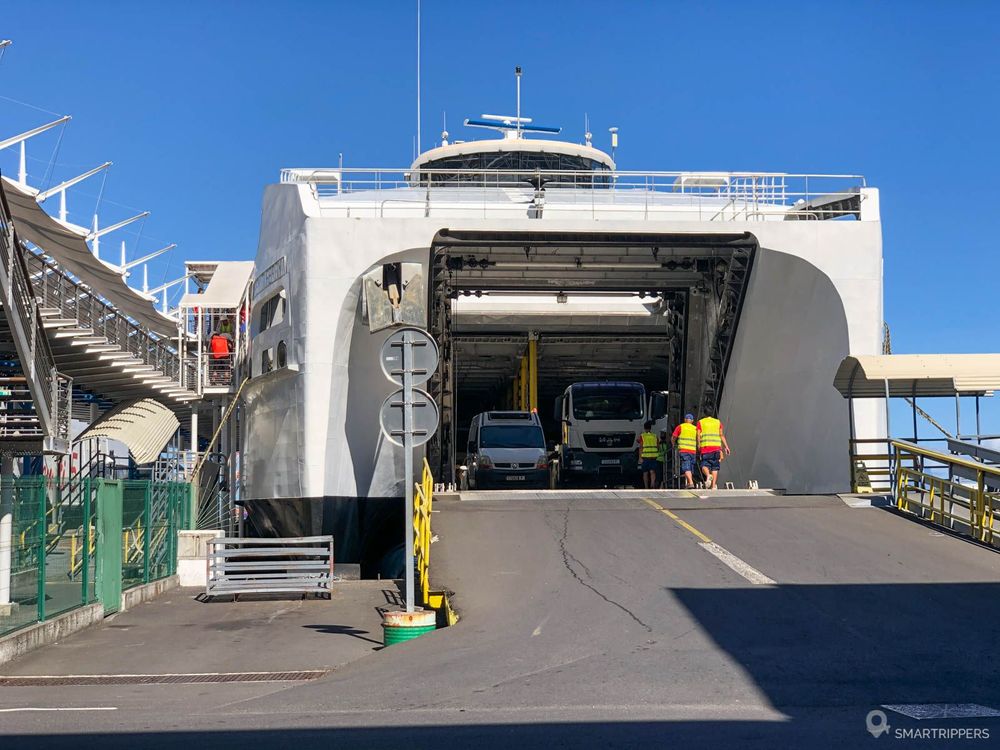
[[716, 196], [295, 565], [872, 467], [966, 506], [76, 302], [50, 391], [423, 498], [218, 370]]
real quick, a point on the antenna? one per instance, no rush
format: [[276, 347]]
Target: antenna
[[418, 77], [587, 135], [444, 128], [614, 141], [517, 76]]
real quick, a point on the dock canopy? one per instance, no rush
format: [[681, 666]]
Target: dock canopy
[[67, 246], [866, 376], [144, 425], [227, 280]]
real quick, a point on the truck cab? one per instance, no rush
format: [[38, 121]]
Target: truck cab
[[599, 423]]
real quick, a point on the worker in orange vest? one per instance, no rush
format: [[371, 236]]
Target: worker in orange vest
[[220, 347], [713, 448]]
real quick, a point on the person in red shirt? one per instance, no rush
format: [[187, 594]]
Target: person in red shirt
[[685, 439]]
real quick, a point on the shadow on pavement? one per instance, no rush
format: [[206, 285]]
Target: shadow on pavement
[[344, 630], [858, 645], [746, 735]]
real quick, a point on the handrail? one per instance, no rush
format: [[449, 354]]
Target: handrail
[[37, 361], [946, 458], [969, 509], [423, 498], [78, 302]]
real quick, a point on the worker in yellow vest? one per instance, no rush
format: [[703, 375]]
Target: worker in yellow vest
[[662, 448], [685, 439], [713, 448], [647, 444]]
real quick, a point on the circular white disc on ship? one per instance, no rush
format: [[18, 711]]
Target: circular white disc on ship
[[425, 417], [423, 359]]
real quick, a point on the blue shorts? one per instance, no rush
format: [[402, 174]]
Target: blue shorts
[[711, 461], [688, 461], [649, 464]]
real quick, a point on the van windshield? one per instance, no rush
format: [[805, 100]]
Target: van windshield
[[607, 403], [511, 436]]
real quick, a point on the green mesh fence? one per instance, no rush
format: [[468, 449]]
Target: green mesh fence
[[54, 545], [152, 514]]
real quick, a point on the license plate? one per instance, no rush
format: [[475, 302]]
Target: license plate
[[610, 461], [515, 477]]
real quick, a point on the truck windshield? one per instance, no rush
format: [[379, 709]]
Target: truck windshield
[[610, 403], [512, 436]]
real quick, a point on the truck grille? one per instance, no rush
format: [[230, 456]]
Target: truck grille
[[619, 440]]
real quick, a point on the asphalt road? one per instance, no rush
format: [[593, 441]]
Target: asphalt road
[[611, 621]]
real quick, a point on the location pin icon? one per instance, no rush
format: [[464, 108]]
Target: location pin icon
[[877, 723]]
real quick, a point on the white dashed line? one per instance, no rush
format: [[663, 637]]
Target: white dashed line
[[57, 708], [732, 561]]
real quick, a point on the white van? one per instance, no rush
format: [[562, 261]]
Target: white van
[[507, 449]]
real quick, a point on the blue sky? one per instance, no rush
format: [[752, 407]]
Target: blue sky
[[200, 104]]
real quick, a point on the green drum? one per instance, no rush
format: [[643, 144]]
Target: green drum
[[405, 626]]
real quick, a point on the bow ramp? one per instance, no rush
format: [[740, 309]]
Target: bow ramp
[[752, 617]]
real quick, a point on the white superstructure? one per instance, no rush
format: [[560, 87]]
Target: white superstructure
[[736, 291]]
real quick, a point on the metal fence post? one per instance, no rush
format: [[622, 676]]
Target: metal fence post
[[42, 538], [85, 573], [147, 522]]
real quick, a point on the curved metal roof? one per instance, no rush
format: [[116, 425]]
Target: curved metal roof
[[865, 376], [144, 425]]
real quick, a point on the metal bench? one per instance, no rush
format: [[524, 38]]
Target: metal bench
[[291, 565]]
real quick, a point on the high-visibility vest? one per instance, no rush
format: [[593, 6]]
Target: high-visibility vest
[[219, 346], [711, 434], [687, 440], [661, 451], [648, 445]]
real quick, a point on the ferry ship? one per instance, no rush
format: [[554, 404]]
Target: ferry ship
[[738, 293]]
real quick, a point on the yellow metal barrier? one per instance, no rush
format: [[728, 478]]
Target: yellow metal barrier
[[76, 546], [871, 461], [971, 509], [422, 501]]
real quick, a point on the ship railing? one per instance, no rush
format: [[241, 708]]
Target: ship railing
[[718, 196]]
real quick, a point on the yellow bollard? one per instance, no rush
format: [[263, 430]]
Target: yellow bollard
[[522, 396], [533, 373]]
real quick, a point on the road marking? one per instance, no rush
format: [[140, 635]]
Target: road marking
[[677, 519], [63, 708], [923, 711], [745, 569]]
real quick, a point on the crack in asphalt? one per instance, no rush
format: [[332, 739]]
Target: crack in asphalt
[[567, 556]]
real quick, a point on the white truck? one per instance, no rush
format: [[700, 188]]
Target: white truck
[[599, 423]]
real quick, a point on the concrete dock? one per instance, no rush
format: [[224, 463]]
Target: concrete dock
[[605, 621]]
